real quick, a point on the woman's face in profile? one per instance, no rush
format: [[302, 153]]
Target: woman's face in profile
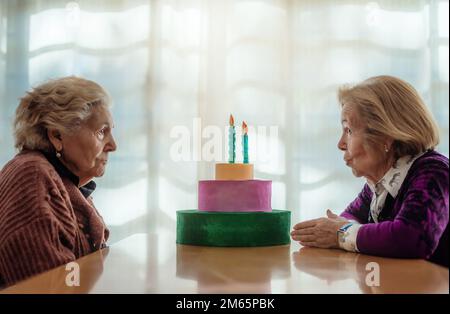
[[361, 159], [86, 151]]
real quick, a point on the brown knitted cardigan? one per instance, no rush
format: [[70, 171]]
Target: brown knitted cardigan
[[45, 221]]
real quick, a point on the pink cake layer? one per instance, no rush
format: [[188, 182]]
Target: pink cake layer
[[235, 196]]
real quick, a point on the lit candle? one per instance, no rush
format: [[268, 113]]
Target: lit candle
[[231, 141], [245, 142]]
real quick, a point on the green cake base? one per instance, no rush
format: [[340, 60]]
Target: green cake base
[[234, 229]]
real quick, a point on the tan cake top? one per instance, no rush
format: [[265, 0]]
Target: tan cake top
[[232, 171]]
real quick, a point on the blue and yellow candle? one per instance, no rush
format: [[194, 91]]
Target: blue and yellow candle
[[231, 141], [245, 142]]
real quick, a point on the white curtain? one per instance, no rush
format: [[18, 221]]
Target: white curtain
[[170, 64]]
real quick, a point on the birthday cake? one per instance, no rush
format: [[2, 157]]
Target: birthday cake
[[234, 210]]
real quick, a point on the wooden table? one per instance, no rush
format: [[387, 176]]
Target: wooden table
[[156, 264]]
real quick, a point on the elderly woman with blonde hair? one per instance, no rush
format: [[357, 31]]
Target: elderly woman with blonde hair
[[63, 132], [388, 137]]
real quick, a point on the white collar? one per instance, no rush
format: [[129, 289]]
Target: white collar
[[394, 177]]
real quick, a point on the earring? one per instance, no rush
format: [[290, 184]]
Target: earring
[[386, 149], [58, 154]]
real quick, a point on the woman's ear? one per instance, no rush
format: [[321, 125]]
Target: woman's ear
[[55, 138], [388, 143]]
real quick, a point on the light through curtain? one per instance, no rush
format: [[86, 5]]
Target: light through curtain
[[271, 63]]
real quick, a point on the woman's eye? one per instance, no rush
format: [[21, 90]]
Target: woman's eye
[[101, 133], [347, 131]]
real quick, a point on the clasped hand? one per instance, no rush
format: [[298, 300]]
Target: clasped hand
[[321, 232]]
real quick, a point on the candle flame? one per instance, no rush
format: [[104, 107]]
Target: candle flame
[[231, 120], [244, 127]]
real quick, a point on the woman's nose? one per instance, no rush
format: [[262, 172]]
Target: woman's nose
[[341, 144], [112, 146]]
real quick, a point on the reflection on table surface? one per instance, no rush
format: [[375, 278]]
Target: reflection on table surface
[[150, 263]]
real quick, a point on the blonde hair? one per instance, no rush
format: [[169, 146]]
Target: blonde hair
[[61, 104], [391, 108]]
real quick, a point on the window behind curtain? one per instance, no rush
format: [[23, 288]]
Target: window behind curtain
[[271, 63]]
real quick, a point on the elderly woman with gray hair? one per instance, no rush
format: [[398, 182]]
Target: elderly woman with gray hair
[[63, 132], [388, 137]]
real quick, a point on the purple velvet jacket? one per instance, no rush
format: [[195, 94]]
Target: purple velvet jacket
[[415, 223]]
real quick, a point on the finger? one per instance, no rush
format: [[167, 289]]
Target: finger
[[306, 224], [310, 244], [330, 214], [306, 231], [306, 238]]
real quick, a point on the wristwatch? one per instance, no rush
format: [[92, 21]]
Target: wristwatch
[[342, 233]]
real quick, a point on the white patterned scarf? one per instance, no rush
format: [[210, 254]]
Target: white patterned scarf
[[390, 183]]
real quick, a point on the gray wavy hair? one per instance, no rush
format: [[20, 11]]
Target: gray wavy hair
[[61, 104]]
